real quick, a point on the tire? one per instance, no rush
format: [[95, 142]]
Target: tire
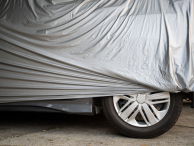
[[154, 130]]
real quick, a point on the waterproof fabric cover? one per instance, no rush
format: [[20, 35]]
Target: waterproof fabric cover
[[60, 49]]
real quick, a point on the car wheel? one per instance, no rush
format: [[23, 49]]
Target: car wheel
[[143, 115]]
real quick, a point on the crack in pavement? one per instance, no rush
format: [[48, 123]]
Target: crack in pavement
[[184, 126]]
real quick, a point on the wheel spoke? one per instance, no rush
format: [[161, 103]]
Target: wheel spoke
[[152, 119], [159, 114], [122, 97], [133, 95], [142, 114], [124, 107], [126, 113], [133, 116], [158, 96], [129, 101], [116, 98], [157, 102]]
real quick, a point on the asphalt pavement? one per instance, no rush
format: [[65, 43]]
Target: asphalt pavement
[[52, 129]]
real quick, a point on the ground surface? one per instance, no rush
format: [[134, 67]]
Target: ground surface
[[60, 129]]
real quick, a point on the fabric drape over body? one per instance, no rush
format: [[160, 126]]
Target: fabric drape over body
[[60, 49]]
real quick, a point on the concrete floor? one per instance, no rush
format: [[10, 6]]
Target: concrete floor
[[60, 129]]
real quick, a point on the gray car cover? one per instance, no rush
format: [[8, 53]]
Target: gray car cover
[[61, 49]]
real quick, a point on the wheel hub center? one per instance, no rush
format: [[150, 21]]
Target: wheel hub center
[[141, 98]]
